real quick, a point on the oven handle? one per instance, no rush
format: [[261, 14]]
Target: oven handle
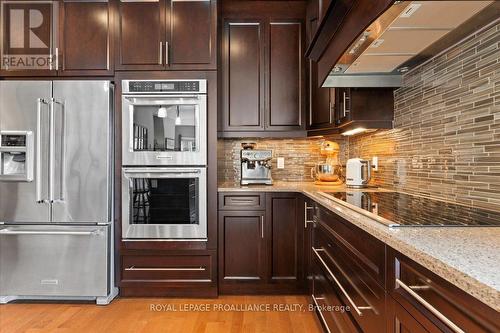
[[159, 170], [156, 98]]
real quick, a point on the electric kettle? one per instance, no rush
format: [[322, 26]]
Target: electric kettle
[[358, 173]]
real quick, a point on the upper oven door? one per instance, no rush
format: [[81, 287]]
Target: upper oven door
[[164, 203], [164, 130]]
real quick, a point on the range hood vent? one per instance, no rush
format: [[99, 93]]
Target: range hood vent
[[404, 36]]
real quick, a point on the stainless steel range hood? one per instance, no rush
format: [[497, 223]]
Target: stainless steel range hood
[[407, 34]]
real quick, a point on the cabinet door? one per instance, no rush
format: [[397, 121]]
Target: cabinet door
[[343, 109], [285, 89], [243, 76], [286, 231], [28, 51], [242, 247], [191, 34], [322, 102], [85, 30], [141, 35]]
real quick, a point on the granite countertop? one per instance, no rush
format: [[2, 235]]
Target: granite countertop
[[465, 256]]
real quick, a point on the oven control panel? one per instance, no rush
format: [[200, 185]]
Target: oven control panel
[[164, 86]]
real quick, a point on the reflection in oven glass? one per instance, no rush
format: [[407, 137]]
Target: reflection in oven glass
[[165, 128], [165, 201]]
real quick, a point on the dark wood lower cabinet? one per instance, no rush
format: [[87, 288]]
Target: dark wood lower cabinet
[[401, 321], [242, 250], [276, 243], [261, 251], [285, 241], [177, 273], [435, 303]]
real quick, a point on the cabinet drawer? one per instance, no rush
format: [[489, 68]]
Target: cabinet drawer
[[357, 289], [238, 201], [333, 313], [364, 249], [167, 268], [446, 306]]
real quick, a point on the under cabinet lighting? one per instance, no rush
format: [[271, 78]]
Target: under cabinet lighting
[[354, 131]]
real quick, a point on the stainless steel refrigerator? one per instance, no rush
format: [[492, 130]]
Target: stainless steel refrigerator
[[56, 185]]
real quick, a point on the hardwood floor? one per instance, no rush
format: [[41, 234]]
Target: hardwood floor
[[136, 315]]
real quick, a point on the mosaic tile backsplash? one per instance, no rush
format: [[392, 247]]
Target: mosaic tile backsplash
[[300, 156], [446, 136], [446, 140]]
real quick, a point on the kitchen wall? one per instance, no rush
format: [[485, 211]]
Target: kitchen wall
[[446, 140], [300, 156]]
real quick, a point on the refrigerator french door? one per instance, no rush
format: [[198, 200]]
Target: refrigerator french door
[[55, 223]]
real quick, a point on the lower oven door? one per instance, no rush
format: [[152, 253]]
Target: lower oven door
[[164, 203]]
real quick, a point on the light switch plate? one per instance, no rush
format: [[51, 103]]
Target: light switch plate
[[375, 163], [281, 162]]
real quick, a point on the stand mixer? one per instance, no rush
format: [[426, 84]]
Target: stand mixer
[[329, 172]]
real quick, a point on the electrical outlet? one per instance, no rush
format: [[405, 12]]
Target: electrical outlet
[[281, 162], [375, 163]]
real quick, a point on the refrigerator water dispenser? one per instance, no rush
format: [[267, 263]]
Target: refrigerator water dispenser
[[16, 156]]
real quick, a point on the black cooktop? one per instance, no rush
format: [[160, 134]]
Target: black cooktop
[[400, 209]]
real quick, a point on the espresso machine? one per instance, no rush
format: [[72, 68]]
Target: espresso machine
[[256, 166]]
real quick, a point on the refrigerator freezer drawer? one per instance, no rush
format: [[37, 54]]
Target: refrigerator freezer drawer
[[54, 260]]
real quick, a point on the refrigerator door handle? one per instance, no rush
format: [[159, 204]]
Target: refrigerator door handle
[[36, 232], [58, 135], [51, 149], [38, 162]]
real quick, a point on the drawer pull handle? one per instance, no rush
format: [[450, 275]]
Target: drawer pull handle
[[133, 268], [315, 300], [355, 307], [428, 306], [242, 200], [306, 221]]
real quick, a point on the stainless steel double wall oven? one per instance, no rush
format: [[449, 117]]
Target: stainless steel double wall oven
[[164, 185]]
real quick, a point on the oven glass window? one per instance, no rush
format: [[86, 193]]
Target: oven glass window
[[165, 201], [165, 128]]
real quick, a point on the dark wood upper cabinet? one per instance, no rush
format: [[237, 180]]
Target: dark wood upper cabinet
[[86, 38], [263, 76], [167, 35], [285, 95], [364, 107], [322, 103], [191, 33], [20, 54], [140, 35], [243, 75]]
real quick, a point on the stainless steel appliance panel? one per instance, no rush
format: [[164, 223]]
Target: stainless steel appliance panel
[[80, 174], [166, 139], [54, 260], [170, 229], [24, 107]]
